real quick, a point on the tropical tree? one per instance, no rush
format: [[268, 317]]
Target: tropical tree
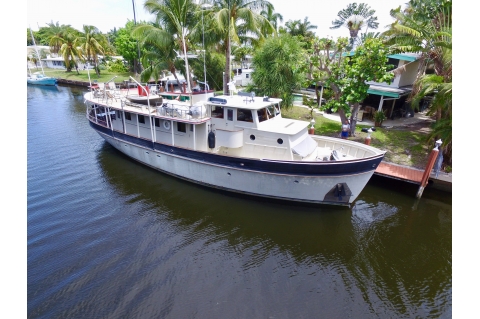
[[299, 28], [70, 50], [277, 71], [215, 65], [272, 16], [126, 44], [178, 19], [426, 27], [159, 53], [237, 20], [53, 34], [355, 17], [92, 43], [347, 74]]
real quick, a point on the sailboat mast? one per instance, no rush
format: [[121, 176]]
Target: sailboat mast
[[35, 47]]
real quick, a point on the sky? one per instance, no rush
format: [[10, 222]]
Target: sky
[[109, 14]]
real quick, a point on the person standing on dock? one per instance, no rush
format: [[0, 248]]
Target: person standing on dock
[[345, 129]]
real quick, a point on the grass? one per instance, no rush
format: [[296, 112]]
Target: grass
[[83, 76], [404, 146]]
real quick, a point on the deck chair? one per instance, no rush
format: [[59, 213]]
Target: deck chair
[[114, 89], [110, 96], [99, 91]]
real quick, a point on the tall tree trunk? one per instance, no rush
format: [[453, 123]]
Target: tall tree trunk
[[353, 118]]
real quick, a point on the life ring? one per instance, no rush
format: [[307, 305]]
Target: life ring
[[166, 125]]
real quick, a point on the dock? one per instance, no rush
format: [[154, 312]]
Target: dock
[[442, 181]]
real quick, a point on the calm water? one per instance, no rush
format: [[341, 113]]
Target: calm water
[[110, 238]]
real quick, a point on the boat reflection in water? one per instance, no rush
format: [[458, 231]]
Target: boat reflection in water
[[382, 256]]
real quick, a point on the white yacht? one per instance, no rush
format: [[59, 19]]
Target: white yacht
[[238, 143]]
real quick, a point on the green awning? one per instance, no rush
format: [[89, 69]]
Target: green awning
[[384, 93], [403, 57]]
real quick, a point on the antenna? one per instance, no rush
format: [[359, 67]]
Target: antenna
[[205, 6]]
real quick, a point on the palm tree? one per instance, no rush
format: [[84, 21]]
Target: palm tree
[[70, 51], [426, 27], [159, 54], [355, 17], [91, 45], [299, 28], [178, 19], [235, 20], [54, 33], [272, 16]]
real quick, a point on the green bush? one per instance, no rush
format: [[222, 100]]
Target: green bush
[[117, 66]]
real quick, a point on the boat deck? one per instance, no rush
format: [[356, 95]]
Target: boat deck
[[117, 100]]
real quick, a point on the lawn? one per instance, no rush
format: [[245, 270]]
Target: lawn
[[82, 75], [404, 145]]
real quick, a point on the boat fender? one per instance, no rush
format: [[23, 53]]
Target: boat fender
[[166, 125], [211, 139]]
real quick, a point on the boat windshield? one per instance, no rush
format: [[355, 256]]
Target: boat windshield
[[273, 110]]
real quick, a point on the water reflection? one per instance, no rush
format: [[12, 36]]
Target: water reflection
[[395, 258]]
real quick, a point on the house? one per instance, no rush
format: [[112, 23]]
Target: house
[[390, 97], [383, 96], [242, 77]]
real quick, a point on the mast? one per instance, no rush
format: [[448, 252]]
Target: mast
[[137, 66], [35, 47]]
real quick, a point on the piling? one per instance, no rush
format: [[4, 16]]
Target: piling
[[426, 174], [368, 139]]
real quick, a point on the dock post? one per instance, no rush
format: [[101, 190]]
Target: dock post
[[368, 139], [426, 174], [311, 130]]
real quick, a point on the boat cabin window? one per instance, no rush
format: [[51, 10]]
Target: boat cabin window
[[244, 115], [141, 119], [181, 127], [273, 110], [262, 115], [157, 122], [128, 116], [230, 114], [217, 111]]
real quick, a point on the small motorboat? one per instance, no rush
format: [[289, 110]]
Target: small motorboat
[[38, 78]]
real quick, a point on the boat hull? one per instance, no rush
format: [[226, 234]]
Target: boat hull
[[48, 82], [334, 183]]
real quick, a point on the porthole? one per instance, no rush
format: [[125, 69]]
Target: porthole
[[280, 141], [166, 125], [252, 137]]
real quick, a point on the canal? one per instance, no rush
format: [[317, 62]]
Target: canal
[[110, 238]]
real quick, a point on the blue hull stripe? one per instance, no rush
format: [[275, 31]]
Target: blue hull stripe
[[330, 168]]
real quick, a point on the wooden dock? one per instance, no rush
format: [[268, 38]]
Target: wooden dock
[[414, 175], [403, 173]]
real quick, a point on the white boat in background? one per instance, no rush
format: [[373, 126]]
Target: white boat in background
[[237, 143], [38, 78]]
